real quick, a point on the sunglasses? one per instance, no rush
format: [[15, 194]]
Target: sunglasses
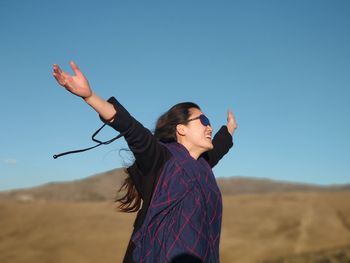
[[204, 120]]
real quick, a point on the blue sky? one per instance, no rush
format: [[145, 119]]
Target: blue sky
[[283, 67]]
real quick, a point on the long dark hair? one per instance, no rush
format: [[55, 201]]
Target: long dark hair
[[165, 131]]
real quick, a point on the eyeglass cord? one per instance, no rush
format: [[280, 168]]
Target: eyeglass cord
[[99, 143]]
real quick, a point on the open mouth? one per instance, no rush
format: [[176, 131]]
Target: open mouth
[[208, 136]]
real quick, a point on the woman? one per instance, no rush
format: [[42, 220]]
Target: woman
[[171, 183]]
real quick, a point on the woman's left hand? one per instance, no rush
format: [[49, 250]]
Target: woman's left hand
[[231, 122]]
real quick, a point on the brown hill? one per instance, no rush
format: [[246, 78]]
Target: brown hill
[[303, 227], [100, 187], [104, 186], [249, 185], [263, 221]]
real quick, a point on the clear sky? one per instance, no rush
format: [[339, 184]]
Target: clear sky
[[283, 67]]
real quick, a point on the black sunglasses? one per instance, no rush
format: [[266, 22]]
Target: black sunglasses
[[204, 120]]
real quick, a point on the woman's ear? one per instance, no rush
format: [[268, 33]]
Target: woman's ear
[[181, 129]]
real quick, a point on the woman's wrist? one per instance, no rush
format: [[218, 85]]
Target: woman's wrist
[[231, 128], [89, 99], [102, 107]]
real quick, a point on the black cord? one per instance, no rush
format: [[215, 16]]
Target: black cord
[[55, 156]]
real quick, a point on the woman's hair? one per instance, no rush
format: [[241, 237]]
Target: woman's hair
[[165, 131]]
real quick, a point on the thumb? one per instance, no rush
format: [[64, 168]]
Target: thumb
[[229, 114], [75, 69]]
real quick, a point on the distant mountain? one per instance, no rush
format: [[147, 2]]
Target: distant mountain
[[246, 185], [99, 187], [104, 187]]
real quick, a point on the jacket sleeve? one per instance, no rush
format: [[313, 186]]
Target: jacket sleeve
[[148, 152], [222, 143]]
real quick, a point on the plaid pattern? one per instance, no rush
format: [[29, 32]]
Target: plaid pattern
[[184, 217]]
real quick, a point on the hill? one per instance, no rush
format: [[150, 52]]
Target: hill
[[104, 187], [249, 185], [303, 227], [263, 221], [100, 187]]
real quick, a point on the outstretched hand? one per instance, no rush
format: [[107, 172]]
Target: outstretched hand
[[231, 122], [76, 84]]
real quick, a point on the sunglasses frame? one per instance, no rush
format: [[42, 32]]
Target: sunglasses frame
[[203, 119]]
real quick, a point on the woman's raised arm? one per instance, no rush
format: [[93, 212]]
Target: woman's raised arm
[[79, 85]]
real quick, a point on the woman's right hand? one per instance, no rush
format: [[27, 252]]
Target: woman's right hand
[[78, 84]]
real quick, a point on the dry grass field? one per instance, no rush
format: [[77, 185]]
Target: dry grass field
[[259, 228], [272, 227], [55, 232]]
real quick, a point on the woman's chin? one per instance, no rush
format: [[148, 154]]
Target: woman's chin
[[210, 146]]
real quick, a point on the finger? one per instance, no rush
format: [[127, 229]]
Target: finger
[[55, 75], [57, 69], [59, 79], [60, 75], [229, 115], [75, 68]]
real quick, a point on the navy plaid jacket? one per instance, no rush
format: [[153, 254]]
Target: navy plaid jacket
[[184, 216]]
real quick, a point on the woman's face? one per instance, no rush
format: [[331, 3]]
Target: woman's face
[[198, 135]]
